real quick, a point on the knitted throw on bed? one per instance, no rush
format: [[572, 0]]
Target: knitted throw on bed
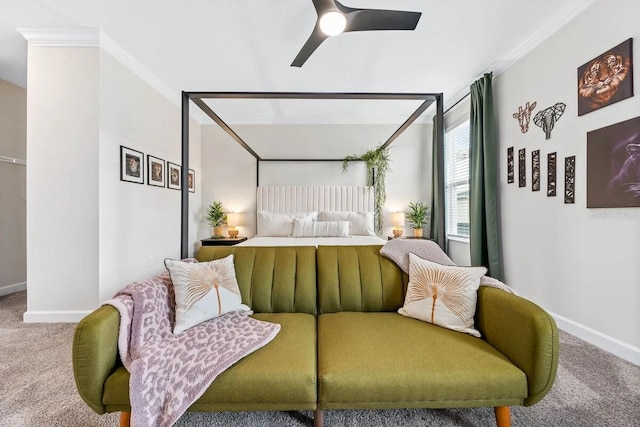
[[169, 372], [398, 250]]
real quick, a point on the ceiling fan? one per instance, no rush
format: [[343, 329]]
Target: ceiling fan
[[335, 18]]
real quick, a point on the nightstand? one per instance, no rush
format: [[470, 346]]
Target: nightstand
[[408, 237], [222, 241]]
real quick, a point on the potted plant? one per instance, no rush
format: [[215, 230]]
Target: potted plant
[[216, 217], [377, 163], [417, 216]]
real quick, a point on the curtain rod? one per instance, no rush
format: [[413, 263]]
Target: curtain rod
[[13, 160], [457, 102]]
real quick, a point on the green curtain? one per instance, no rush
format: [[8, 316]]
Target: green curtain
[[484, 227], [435, 184]]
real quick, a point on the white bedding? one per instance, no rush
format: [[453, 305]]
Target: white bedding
[[314, 241]]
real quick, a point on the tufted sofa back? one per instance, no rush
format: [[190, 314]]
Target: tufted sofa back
[[272, 279], [358, 278]]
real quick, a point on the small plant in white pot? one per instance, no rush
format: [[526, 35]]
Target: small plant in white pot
[[417, 216], [216, 218]]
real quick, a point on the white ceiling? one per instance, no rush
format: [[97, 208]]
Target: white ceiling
[[248, 45]]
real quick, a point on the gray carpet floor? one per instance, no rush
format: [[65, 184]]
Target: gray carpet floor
[[593, 388]]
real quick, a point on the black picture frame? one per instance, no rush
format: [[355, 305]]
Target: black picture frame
[[192, 181], [131, 165], [570, 179], [606, 79], [174, 173], [522, 167], [510, 163], [156, 171], [535, 170], [551, 174]]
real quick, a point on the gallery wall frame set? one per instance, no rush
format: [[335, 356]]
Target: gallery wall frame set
[[158, 172]]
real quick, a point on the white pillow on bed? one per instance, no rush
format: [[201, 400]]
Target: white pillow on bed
[[361, 223], [320, 228], [272, 224]]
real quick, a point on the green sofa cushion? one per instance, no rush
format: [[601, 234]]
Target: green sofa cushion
[[385, 360], [279, 376], [272, 279], [358, 278]]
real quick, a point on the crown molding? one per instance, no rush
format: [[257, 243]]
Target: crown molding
[[65, 37]]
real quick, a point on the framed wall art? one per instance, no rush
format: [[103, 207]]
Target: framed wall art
[[613, 166], [606, 79], [173, 176], [192, 181], [155, 171], [131, 165]]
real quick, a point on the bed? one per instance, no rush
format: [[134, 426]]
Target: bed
[[314, 215]]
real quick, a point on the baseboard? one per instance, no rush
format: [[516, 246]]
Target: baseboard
[[603, 341], [12, 289], [61, 316]]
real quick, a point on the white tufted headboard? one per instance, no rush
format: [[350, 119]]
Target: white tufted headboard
[[308, 199]]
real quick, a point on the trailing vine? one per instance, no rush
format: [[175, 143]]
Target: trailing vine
[[377, 163]]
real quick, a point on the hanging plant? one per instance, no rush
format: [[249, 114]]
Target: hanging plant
[[377, 163]]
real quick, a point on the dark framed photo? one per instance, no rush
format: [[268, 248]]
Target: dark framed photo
[[606, 79], [131, 165], [613, 166], [155, 171], [173, 176], [192, 181]]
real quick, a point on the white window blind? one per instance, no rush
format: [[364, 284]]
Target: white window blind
[[456, 158]]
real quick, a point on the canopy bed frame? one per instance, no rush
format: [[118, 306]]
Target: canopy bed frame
[[198, 99]]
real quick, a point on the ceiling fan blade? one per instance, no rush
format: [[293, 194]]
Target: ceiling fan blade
[[323, 6], [378, 19], [312, 43]]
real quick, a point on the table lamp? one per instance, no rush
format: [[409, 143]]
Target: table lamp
[[397, 219], [233, 220]]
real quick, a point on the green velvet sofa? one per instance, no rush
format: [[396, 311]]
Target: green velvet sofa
[[342, 344]]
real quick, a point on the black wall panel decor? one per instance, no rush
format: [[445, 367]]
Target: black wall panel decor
[[522, 168], [535, 170], [570, 179], [510, 170], [551, 174]]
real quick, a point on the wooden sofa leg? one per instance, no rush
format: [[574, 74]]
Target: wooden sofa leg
[[125, 419], [503, 416], [318, 418]]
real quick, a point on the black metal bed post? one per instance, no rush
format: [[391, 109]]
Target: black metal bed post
[[184, 180], [440, 161]]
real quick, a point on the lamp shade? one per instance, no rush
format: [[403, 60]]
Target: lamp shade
[[397, 219], [233, 219]]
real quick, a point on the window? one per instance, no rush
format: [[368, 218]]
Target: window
[[456, 159]]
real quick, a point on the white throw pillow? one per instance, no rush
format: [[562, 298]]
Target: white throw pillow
[[280, 224], [320, 228], [444, 295], [360, 223], [203, 290]]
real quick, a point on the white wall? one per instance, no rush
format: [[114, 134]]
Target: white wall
[[139, 224], [89, 234], [62, 180], [580, 264], [13, 176], [234, 183]]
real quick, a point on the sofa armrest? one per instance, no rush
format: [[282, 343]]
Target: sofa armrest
[[95, 354], [524, 333]]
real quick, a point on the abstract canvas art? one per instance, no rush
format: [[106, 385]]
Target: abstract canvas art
[[613, 165], [606, 79]]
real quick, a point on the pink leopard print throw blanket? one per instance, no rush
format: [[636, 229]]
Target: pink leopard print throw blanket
[[169, 372]]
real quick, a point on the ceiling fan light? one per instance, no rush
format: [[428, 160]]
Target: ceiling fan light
[[333, 23]]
